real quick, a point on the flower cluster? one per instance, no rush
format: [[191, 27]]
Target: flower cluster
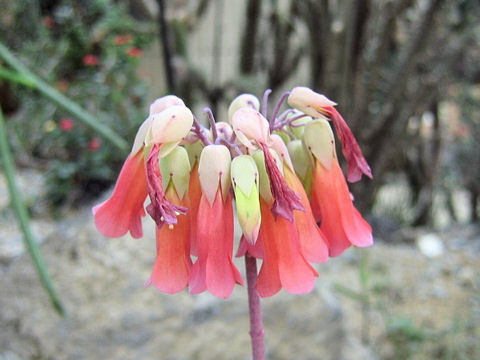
[[282, 171]]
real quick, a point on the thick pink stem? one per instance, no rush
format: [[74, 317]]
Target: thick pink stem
[[256, 323]]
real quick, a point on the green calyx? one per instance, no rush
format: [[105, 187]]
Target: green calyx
[[319, 141], [175, 168], [245, 178]]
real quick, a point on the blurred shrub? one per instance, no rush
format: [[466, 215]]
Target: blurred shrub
[[88, 50]]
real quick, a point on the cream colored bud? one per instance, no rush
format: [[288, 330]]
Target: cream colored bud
[[249, 124], [214, 171], [241, 101], [318, 139], [309, 102], [170, 125], [164, 102]]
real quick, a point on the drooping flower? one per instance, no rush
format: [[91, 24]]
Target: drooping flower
[[319, 106], [123, 211], [341, 223], [284, 263], [172, 264], [248, 125], [214, 269], [312, 239], [167, 129]]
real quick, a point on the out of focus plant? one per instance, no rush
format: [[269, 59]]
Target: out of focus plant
[[466, 145], [91, 51]]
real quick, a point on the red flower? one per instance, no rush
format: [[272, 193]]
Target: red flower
[[122, 39], [90, 60], [94, 144], [172, 264], [48, 21], [284, 264], [66, 124], [311, 237], [123, 211], [341, 222], [214, 269], [134, 52]]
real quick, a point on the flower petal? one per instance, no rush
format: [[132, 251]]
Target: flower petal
[[123, 211], [172, 264], [356, 163]]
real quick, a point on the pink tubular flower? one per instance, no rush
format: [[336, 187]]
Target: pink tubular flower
[[172, 264], [311, 237], [284, 265], [341, 223], [317, 105], [214, 269], [90, 60], [123, 211], [66, 124], [250, 124]]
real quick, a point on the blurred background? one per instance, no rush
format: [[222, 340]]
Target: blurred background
[[406, 76]]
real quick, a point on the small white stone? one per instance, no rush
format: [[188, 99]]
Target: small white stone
[[430, 245]]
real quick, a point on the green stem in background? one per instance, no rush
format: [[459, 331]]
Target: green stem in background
[[34, 82], [23, 219]]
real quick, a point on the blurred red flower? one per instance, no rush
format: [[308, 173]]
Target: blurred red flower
[[66, 124], [90, 60], [94, 144], [134, 52], [48, 22], [122, 39]]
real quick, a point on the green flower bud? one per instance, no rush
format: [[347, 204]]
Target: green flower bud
[[302, 163], [244, 175]]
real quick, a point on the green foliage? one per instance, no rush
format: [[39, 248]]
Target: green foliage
[[90, 52]]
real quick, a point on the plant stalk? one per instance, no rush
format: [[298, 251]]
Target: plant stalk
[[257, 333], [24, 220]]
